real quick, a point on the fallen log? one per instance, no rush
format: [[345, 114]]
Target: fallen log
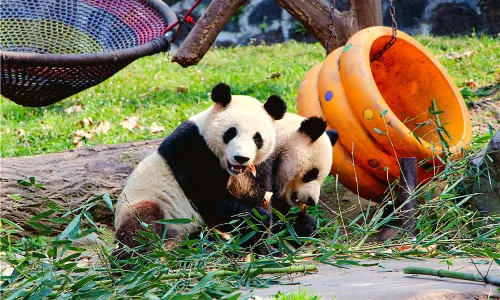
[[69, 178]]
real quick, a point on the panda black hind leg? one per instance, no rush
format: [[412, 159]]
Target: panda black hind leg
[[145, 211]]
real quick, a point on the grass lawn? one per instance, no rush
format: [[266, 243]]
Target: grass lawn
[[160, 93], [157, 91]]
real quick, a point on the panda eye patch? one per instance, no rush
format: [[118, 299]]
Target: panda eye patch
[[311, 175], [257, 138], [229, 135]]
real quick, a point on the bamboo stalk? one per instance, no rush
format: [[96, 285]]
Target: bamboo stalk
[[450, 274], [224, 273]]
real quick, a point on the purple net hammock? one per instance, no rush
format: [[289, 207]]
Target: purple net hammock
[[52, 49]]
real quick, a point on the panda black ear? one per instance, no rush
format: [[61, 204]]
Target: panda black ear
[[221, 94], [333, 135], [275, 107], [313, 127]]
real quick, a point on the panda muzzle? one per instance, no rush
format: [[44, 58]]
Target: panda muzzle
[[239, 169]]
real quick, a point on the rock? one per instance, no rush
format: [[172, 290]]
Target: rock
[[491, 10], [455, 19], [408, 13], [489, 199]]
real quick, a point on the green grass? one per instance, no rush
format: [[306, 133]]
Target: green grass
[[204, 268], [148, 89]]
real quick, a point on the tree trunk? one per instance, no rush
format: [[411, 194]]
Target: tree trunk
[[69, 178], [313, 14]]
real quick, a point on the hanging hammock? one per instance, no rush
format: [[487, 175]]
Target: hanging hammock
[[53, 49]]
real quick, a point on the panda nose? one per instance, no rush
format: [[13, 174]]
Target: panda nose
[[310, 201], [241, 159]]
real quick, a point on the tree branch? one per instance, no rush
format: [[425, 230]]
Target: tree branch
[[204, 33]]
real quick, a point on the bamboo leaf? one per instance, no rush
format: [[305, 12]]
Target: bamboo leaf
[[69, 232], [246, 237], [108, 202], [292, 232], [174, 221]]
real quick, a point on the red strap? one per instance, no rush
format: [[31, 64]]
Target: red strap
[[187, 18]]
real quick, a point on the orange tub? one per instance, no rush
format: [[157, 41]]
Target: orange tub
[[380, 108]]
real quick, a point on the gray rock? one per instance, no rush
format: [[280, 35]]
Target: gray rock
[[487, 166]]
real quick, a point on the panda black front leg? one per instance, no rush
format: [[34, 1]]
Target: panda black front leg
[[304, 225], [227, 210]]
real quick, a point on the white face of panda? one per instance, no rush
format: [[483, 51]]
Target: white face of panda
[[241, 135], [238, 131], [305, 165]]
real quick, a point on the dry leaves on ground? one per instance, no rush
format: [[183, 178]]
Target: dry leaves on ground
[[131, 123], [102, 127], [44, 126], [87, 122], [457, 56], [80, 136], [74, 109], [155, 128]]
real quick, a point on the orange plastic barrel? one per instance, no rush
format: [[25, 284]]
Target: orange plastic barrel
[[381, 109]]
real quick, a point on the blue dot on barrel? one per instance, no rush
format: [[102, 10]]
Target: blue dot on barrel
[[328, 95]]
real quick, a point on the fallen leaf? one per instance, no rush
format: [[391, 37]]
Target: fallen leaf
[[87, 122], [80, 136], [404, 248], [45, 127], [20, 132], [154, 128], [131, 123], [182, 90], [77, 141], [457, 56], [102, 127], [471, 83], [74, 109], [275, 75], [143, 95]]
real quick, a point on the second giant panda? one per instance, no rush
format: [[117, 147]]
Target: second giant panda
[[301, 161], [189, 173]]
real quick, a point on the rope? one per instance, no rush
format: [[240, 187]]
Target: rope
[[181, 19]]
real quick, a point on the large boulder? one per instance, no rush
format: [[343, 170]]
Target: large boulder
[[455, 19], [487, 166]]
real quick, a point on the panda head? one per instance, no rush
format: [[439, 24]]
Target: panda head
[[239, 132], [306, 160]]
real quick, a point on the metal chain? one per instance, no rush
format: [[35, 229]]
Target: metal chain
[[392, 11], [331, 29]]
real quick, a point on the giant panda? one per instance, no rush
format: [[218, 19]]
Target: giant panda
[[189, 174], [301, 161]]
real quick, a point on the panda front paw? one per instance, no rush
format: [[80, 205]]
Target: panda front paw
[[304, 225]]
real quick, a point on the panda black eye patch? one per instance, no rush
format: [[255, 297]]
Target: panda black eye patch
[[229, 135], [257, 138], [311, 175]]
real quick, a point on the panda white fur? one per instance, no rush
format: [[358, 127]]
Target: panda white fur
[[301, 161], [189, 173]]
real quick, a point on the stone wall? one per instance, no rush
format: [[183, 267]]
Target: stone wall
[[265, 21]]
